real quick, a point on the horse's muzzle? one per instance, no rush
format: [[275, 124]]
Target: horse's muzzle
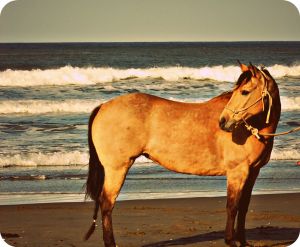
[[227, 125]]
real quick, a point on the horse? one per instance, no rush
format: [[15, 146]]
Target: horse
[[207, 138]]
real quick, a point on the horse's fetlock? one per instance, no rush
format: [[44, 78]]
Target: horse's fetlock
[[109, 243], [230, 242]]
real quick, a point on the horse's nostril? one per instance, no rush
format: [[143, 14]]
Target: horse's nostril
[[222, 122]]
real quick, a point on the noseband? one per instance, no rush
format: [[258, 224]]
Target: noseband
[[264, 93]]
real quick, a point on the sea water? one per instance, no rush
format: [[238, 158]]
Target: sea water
[[47, 92]]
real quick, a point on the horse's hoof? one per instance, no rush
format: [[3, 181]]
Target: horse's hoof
[[242, 241], [245, 244], [111, 245], [231, 243]]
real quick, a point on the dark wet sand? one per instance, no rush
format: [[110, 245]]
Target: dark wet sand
[[273, 220]]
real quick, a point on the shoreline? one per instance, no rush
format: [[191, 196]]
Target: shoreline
[[32, 198], [273, 220]]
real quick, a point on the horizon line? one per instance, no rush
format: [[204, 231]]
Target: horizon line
[[122, 42]]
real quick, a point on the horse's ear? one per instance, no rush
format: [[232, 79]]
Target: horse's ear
[[254, 70], [243, 67]]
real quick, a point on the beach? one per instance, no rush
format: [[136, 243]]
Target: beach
[[272, 220]]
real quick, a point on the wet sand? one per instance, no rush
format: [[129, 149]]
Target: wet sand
[[273, 220]]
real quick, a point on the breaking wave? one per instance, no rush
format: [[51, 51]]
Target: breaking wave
[[290, 103], [80, 158], [88, 76], [288, 154], [75, 158], [47, 106], [86, 106], [40, 159]]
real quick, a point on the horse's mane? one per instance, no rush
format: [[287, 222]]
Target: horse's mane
[[267, 73]]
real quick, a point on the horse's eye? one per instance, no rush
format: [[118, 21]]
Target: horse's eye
[[245, 92]]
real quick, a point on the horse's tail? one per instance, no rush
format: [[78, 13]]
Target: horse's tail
[[95, 180]]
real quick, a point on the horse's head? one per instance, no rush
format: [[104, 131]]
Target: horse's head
[[250, 97]]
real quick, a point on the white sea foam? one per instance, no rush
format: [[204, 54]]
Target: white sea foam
[[86, 106], [40, 159], [290, 103], [87, 76], [288, 154], [81, 158], [47, 106], [52, 159], [279, 71]]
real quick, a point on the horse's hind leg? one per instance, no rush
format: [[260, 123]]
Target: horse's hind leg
[[236, 179], [243, 206], [114, 179]]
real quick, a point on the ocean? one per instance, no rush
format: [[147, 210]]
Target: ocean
[[47, 92]]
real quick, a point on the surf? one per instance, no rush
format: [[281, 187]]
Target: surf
[[69, 75], [34, 107]]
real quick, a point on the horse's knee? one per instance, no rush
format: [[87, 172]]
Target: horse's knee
[[106, 207], [106, 201], [232, 209]]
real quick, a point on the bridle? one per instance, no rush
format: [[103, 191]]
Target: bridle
[[264, 93]]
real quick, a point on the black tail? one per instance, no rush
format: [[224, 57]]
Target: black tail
[[95, 180]]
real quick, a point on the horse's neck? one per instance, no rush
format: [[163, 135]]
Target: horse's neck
[[275, 109]]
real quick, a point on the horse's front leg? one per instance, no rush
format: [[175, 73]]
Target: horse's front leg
[[243, 206], [236, 179]]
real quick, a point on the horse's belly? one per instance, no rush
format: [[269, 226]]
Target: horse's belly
[[195, 168], [202, 162]]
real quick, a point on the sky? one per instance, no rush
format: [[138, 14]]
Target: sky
[[148, 20]]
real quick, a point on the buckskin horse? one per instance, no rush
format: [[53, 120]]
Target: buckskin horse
[[210, 138]]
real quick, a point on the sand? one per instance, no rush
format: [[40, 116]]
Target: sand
[[273, 220]]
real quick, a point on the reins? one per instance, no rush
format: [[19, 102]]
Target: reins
[[257, 134], [265, 93]]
